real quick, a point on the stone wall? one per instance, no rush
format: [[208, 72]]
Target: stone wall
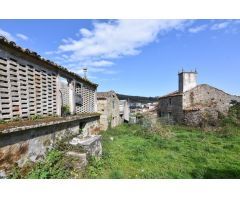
[[207, 96], [197, 106], [124, 111], [31, 143], [187, 81], [203, 104], [109, 109], [170, 108], [103, 109]]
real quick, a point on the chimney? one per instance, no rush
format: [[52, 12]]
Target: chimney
[[187, 80], [85, 72]]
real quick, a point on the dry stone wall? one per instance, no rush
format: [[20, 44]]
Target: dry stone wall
[[204, 104]]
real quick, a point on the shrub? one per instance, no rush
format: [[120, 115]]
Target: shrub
[[35, 117], [152, 126], [65, 110], [52, 167], [230, 124]]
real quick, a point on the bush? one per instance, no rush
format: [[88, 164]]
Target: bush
[[230, 124], [65, 110], [52, 167], [155, 127]]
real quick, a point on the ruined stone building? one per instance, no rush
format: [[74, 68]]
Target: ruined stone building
[[108, 106], [192, 103], [124, 111], [31, 86]]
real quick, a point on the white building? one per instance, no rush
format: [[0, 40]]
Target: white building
[[124, 110]]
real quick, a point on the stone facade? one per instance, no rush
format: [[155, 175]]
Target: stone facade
[[20, 144], [204, 104], [108, 106], [195, 105], [170, 108]]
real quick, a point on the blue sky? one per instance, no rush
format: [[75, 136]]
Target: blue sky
[[137, 57]]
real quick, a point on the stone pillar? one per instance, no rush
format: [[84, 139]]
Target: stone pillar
[[59, 100], [95, 101], [72, 96]]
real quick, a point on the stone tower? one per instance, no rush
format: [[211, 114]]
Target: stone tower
[[187, 81]]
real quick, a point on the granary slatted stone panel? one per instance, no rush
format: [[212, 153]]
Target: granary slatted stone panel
[[30, 85], [5, 111], [26, 89], [88, 95]]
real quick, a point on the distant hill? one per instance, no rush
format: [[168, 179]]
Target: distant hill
[[137, 99]]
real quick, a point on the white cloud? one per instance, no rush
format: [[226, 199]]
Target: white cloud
[[99, 63], [85, 32], [197, 28], [117, 38], [219, 26], [96, 48], [22, 36], [7, 35]]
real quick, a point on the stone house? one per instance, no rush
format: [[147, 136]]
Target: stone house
[[194, 104], [124, 111], [108, 107]]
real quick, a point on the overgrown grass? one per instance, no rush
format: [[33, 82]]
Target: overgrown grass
[[148, 151], [129, 152]]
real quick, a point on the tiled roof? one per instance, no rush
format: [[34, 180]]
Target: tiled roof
[[4, 41], [172, 94], [104, 95]]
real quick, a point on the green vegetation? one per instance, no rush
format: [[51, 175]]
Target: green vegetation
[[151, 150], [36, 117], [54, 166], [2, 122], [132, 152], [231, 123], [65, 110], [137, 99]]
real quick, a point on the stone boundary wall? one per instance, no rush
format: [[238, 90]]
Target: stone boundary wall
[[18, 145]]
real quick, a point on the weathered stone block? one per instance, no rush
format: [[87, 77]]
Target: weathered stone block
[[92, 144]]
